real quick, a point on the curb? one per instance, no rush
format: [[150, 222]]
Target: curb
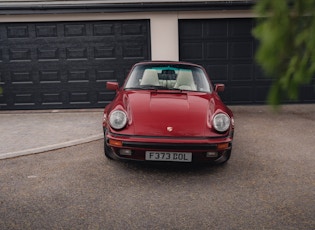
[[51, 147]]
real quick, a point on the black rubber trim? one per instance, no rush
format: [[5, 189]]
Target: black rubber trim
[[170, 138], [164, 146]]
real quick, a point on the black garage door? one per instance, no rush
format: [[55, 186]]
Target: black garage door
[[66, 64], [226, 48]]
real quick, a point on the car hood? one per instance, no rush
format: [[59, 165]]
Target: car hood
[[169, 113]]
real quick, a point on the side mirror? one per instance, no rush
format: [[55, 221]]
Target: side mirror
[[219, 87], [111, 85]]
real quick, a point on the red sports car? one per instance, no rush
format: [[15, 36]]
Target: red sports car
[[168, 111]]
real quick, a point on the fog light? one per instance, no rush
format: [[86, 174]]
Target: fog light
[[211, 154], [125, 152]]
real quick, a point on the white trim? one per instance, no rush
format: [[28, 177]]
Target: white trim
[[126, 16]]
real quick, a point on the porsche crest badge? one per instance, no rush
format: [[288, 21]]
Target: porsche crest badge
[[169, 128]]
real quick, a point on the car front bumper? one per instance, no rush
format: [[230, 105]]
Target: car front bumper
[[202, 149]]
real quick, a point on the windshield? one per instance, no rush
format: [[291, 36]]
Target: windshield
[[168, 77]]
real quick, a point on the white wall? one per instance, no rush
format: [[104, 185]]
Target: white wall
[[164, 37]]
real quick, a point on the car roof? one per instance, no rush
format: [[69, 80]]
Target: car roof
[[167, 63]]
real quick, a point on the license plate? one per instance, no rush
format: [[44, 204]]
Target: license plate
[[168, 156]]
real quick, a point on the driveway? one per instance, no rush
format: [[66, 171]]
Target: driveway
[[267, 184]]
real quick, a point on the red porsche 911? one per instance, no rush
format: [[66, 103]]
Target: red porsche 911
[[168, 111]]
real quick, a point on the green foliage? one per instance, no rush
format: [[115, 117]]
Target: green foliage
[[286, 32]]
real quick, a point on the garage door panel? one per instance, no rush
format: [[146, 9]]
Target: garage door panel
[[132, 28], [17, 31], [67, 64], [215, 29], [217, 51], [104, 52], [103, 29], [3, 101], [242, 50], [80, 97], [104, 97], [132, 51], [52, 98], [241, 94], [78, 76], [242, 72], [191, 50], [261, 93], [48, 54], [308, 92], [49, 76], [240, 28], [76, 53], [46, 31], [20, 54], [24, 99], [218, 73], [22, 77], [192, 29], [259, 74], [104, 75], [77, 29]]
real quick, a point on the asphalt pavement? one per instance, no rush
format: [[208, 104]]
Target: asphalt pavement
[[267, 184]]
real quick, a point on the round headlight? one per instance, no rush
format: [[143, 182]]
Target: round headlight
[[221, 122], [118, 119]]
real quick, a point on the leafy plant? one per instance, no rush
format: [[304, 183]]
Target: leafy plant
[[286, 31]]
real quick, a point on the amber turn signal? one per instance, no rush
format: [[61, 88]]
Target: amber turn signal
[[115, 143], [223, 146]]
